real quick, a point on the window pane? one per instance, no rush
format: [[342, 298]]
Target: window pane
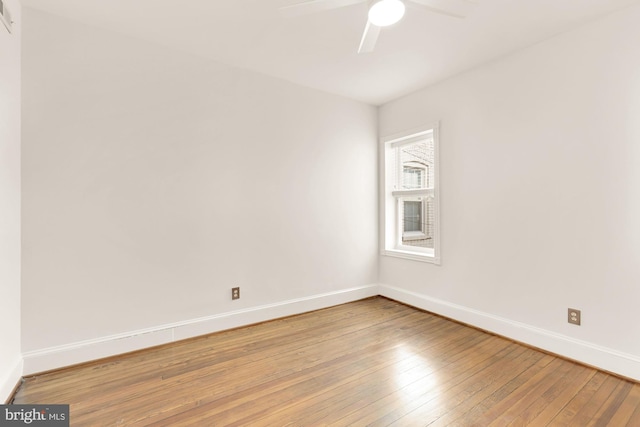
[[418, 221], [412, 218], [416, 165], [412, 178]]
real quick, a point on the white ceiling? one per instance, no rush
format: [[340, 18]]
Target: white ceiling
[[319, 50]]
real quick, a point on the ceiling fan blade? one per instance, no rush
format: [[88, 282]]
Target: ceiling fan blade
[[455, 8], [369, 38], [313, 6]]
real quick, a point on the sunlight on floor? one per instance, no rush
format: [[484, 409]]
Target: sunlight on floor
[[415, 377]]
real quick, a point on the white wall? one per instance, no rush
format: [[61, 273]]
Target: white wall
[[10, 359], [154, 181], [540, 176]]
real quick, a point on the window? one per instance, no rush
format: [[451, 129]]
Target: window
[[412, 218], [412, 176], [410, 199]]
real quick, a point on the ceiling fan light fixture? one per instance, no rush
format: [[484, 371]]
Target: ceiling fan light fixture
[[386, 12]]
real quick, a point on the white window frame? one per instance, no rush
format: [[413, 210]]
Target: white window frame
[[390, 198]]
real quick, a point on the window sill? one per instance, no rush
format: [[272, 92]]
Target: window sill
[[411, 255], [413, 235]]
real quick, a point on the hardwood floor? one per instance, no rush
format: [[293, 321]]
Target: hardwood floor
[[372, 362]]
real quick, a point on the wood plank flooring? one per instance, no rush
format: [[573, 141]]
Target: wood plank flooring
[[372, 362]]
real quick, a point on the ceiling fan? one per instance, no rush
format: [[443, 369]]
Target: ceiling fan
[[382, 13]]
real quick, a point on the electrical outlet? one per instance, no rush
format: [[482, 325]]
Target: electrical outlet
[[574, 316], [235, 293]]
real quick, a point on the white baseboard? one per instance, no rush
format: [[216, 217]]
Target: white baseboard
[[10, 379], [74, 353], [607, 359], [626, 365]]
